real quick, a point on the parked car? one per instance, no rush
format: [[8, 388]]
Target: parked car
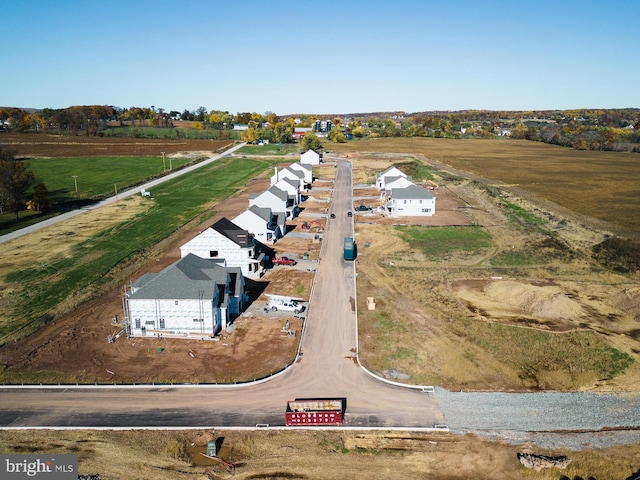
[[349, 214], [284, 261], [363, 208], [333, 215]]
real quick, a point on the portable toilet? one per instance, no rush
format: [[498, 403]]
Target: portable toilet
[[212, 449]]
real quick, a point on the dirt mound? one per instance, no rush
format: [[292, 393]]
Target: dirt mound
[[508, 298], [548, 302]]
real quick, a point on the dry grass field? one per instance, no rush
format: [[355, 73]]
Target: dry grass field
[[309, 455], [531, 310], [604, 186]]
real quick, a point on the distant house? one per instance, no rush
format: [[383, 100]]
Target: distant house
[[299, 132], [411, 201], [194, 296], [306, 169], [392, 173], [227, 241], [311, 157], [265, 225]]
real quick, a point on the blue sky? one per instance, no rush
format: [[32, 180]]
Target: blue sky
[[321, 57]]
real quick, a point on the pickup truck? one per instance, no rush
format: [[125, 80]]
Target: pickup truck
[[363, 208], [284, 261]]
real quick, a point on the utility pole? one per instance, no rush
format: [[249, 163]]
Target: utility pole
[[164, 169], [75, 181]]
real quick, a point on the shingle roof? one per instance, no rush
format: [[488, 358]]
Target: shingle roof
[[191, 277], [411, 192], [262, 212], [233, 232]]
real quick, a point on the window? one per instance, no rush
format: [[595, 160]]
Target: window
[[162, 323], [213, 253], [405, 202], [176, 302], [137, 323]]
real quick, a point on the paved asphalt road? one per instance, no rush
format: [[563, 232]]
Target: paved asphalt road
[[126, 193]]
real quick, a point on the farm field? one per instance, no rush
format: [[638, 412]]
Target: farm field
[[600, 187], [517, 302], [35, 145]]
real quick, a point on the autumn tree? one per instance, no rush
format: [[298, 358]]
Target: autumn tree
[[310, 141], [15, 180], [41, 197], [250, 135], [282, 133], [336, 136]]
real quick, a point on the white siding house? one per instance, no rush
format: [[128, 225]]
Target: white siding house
[[292, 187], [391, 183], [306, 169], [411, 201], [290, 174], [392, 173], [273, 198], [310, 157], [266, 226], [194, 296], [226, 241]]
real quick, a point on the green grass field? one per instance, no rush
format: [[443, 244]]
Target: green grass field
[[98, 177], [436, 242], [44, 286]]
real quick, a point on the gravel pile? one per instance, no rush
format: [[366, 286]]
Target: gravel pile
[[553, 420]]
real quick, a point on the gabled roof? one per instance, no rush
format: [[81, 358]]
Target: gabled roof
[[262, 212], [281, 194], [298, 166], [410, 192], [290, 181], [191, 277], [295, 172], [311, 150], [391, 179], [238, 235], [390, 170]]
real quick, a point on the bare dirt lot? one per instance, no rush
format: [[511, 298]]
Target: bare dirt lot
[[327, 455], [74, 347]]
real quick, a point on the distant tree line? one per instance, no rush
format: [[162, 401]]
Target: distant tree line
[[584, 129]]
